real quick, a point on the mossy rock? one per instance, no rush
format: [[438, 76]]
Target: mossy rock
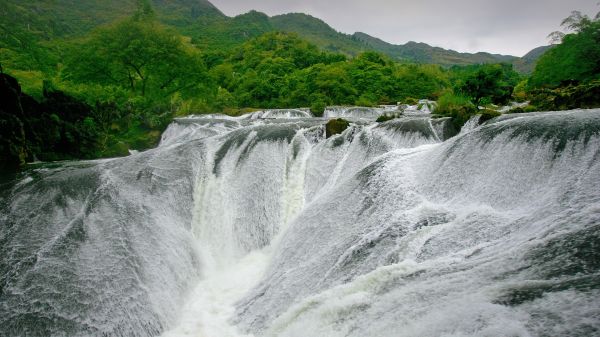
[[117, 149], [525, 109], [410, 101], [460, 113], [487, 114], [387, 117], [517, 110], [336, 126]]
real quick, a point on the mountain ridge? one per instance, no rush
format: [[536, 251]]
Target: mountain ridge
[[209, 28]]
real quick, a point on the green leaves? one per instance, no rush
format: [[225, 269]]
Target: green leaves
[[489, 83], [140, 55], [282, 70], [577, 58]]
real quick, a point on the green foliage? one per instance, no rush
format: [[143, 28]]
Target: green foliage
[[387, 117], [134, 74], [57, 127], [144, 10], [528, 108], [457, 106], [422, 81], [141, 55], [31, 81], [221, 33], [410, 101], [282, 70], [319, 33], [520, 91], [585, 95], [577, 58], [526, 64], [487, 114], [318, 107], [335, 126], [567, 76], [489, 83]]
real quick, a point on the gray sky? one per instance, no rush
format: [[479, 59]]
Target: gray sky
[[499, 26]]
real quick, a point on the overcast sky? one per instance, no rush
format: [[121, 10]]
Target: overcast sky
[[499, 26]]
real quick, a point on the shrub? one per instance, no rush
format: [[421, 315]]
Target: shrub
[[317, 108], [411, 101], [576, 96], [457, 106]]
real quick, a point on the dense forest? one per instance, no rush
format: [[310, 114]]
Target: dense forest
[[113, 85]]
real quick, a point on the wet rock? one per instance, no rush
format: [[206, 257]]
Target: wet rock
[[336, 126]]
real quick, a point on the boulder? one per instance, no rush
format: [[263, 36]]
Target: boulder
[[336, 126]]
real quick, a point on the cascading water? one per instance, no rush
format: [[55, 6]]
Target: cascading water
[[259, 226]]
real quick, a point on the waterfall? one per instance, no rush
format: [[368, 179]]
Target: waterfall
[[260, 226]]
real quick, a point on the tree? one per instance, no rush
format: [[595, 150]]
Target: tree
[[575, 59], [490, 82], [141, 55]]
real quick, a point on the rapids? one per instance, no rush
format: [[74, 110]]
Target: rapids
[[260, 226]]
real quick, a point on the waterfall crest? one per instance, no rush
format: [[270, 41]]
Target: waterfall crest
[[259, 225]]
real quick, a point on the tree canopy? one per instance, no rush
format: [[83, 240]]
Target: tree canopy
[[141, 55], [575, 59]]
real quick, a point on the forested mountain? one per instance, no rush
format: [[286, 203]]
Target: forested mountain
[[318, 32], [321, 34], [92, 79], [24, 22], [424, 53], [46, 19], [526, 64]]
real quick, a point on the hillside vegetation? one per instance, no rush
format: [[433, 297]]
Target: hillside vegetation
[[23, 22], [99, 89]]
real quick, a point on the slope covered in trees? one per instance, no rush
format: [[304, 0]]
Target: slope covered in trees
[[568, 75], [576, 58], [123, 81], [24, 24]]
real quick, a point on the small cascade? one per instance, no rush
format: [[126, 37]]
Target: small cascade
[[423, 106], [279, 113], [353, 112], [471, 124]]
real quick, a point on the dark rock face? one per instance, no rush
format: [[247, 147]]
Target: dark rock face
[[60, 127], [13, 147], [336, 126]]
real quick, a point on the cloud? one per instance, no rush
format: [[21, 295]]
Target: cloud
[[507, 27]]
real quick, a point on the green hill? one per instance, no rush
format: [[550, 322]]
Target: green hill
[[224, 33], [23, 24], [424, 53], [526, 64], [27, 26], [46, 19], [319, 33], [324, 36]]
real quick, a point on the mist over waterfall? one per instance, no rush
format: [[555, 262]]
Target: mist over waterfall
[[261, 226]]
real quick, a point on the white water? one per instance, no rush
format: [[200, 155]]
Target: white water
[[353, 112], [210, 306], [260, 227], [231, 268], [279, 113]]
